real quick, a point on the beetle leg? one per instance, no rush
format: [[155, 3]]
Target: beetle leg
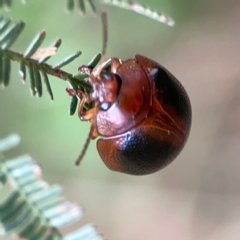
[[93, 131], [115, 63], [99, 69], [85, 69], [71, 92], [89, 115], [78, 93]]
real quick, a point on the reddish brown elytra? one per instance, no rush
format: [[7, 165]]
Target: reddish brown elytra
[[141, 112]]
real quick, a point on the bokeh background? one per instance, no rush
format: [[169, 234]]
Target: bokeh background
[[196, 197]]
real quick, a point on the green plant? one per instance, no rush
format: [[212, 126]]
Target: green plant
[[32, 208]]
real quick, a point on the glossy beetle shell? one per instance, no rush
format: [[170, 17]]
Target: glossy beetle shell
[[149, 118]]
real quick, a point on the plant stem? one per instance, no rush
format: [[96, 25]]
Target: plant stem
[[43, 67]]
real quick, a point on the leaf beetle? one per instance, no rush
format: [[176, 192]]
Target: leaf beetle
[[141, 112]]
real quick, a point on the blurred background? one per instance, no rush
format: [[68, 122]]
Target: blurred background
[[198, 195]]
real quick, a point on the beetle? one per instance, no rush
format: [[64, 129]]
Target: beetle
[[141, 112]]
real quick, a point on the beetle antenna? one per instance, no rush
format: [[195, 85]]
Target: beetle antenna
[[104, 46], [105, 35], [85, 147]]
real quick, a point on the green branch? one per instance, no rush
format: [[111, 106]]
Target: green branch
[[46, 68], [88, 5]]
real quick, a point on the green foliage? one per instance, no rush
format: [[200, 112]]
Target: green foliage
[[140, 9], [34, 61], [34, 209], [84, 5]]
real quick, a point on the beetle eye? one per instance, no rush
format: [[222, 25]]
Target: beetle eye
[[106, 76], [104, 106]]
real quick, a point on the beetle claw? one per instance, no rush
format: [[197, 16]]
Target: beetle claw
[[85, 69], [71, 92], [78, 93]]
